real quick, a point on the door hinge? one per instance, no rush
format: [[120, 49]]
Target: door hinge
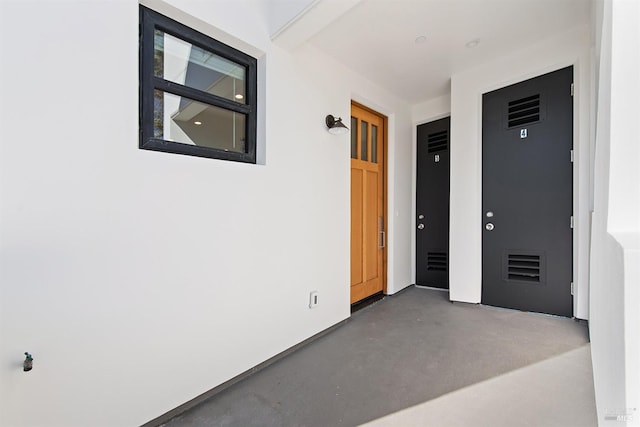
[[571, 221], [572, 156], [571, 288], [572, 89]]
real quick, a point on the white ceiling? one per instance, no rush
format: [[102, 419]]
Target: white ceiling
[[376, 38]]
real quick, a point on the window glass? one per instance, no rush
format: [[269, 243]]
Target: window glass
[[181, 62], [374, 144], [364, 136], [186, 121], [354, 138]]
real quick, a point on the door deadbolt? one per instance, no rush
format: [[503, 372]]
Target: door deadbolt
[[489, 226], [420, 226]]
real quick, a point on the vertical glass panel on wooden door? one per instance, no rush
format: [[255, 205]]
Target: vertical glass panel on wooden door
[[364, 137], [374, 144], [354, 137]]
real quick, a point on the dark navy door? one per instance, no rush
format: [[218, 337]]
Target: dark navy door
[[432, 204], [527, 134]]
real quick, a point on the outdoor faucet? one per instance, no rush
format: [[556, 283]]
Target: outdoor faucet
[[28, 362]]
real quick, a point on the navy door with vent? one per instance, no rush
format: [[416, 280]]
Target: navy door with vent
[[527, 138], [432, 204]]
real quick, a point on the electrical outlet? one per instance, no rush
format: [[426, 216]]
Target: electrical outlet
[[313, 299]]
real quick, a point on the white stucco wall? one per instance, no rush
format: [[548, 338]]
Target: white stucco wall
[[139, 280], [281, 13]]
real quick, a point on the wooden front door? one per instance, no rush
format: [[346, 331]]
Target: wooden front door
[[368, 221]]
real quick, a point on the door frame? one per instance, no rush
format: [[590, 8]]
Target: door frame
[[385, 185], [571, 159], [416, 220], [581, 142], [414, 187]]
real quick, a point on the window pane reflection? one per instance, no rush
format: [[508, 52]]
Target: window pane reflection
[[183, 63], [183, 120]]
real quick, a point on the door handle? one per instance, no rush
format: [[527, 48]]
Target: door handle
[[382, 237], [420, 226], [382, 240], [489, 226]]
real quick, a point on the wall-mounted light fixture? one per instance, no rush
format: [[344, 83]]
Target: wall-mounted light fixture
[[335, 125]]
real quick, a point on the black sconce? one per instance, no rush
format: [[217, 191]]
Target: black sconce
[[335, 125]]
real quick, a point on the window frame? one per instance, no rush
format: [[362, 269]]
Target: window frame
[[149, 22]]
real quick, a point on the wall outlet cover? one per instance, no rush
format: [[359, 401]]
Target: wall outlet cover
[[313, 299]]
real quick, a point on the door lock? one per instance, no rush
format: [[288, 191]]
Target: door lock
[[489, 226], [420, 226]]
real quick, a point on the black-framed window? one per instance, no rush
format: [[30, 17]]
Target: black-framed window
[[197, 95]]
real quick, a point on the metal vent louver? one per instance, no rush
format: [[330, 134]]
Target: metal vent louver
[[523, 267], [437, 261], [437, 141], [524, 111]]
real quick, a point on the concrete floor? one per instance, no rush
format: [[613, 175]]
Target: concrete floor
[[557, 392], [417, 359]]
